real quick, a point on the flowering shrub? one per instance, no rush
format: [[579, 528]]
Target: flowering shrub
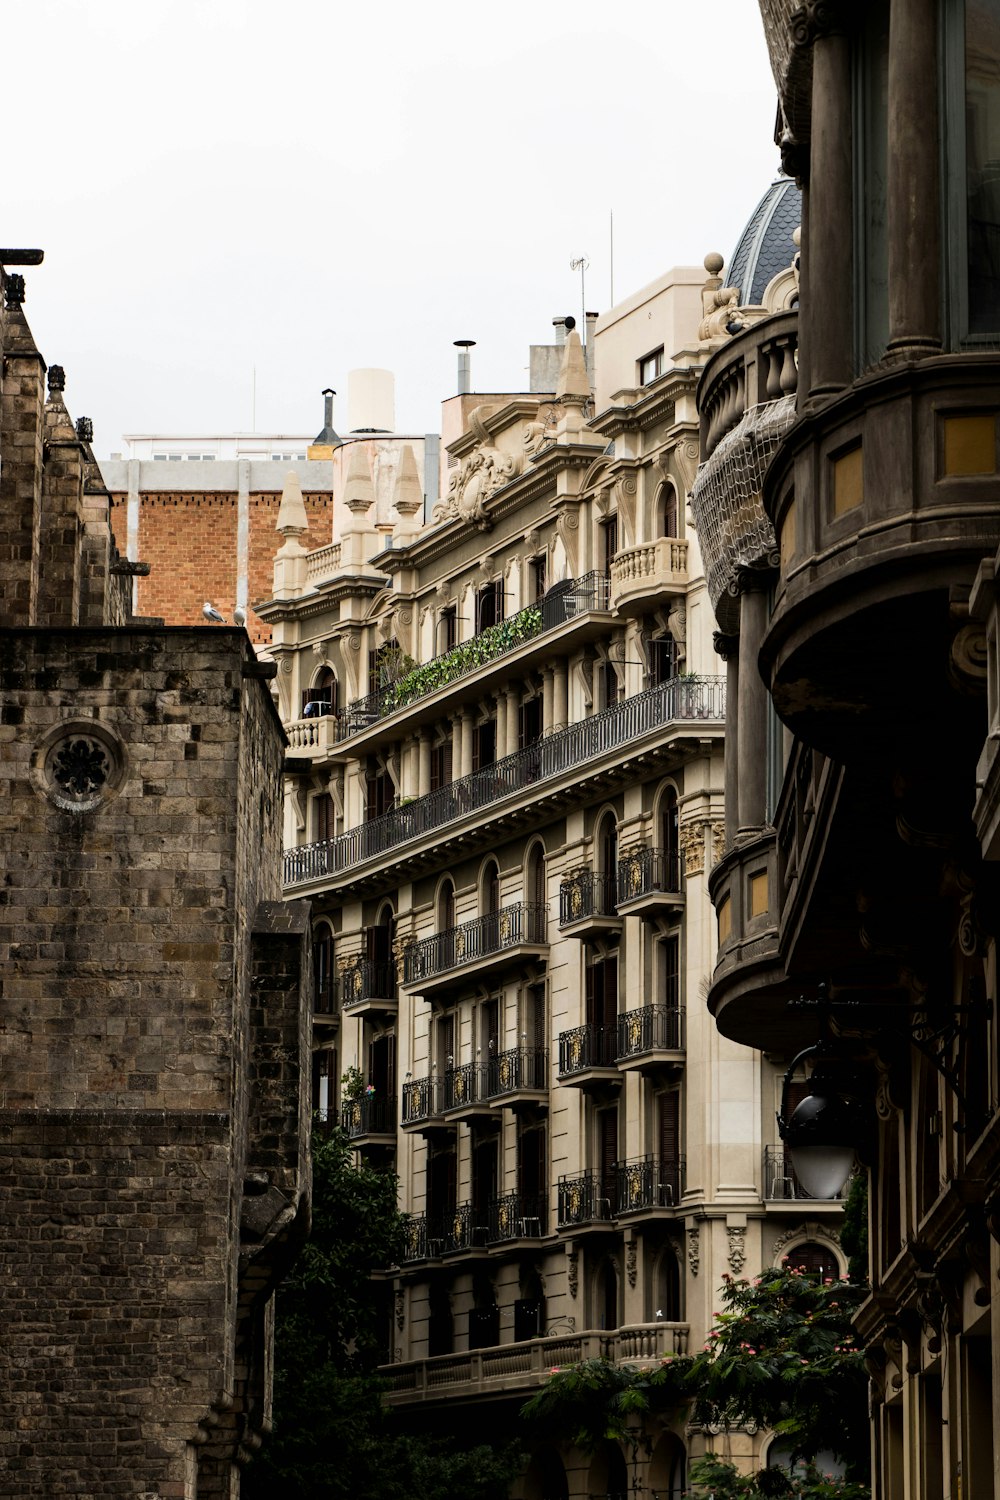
[[716, 1479]]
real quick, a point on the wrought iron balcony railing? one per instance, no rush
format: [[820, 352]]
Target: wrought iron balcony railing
[[492, 933], [464, 1085], [587, 1047], [365, 979], [653, 1028], [369, 1115], [677, 700], [588, 893], [645, 871], [645, 1182], [585, 1198], [516, 1216], [780, 1181], [414, 1237], [517, 1069], [422, 1099], [562, 602]]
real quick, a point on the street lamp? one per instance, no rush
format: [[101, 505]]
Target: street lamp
[[826, 1128]]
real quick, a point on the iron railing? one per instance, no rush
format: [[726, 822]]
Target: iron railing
[[587, 1047], [422, 1099], [414, 1237], [562, 602], [645, 1182], [516, 1216], [645, 871], [677, 700], [780, 1181], [589, 893], [492, 933], [518, 1068], [584, 1198], [464, 1085], [653, 1028], [460, 1228], [369, 1115], [366, 979]]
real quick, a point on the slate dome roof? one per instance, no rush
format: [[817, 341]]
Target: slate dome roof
[[765, 247]]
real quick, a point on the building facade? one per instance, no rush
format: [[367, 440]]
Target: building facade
[[856, 515], [505, 805], [154, 1037]]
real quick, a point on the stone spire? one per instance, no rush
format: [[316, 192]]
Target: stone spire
[[407, 497], [359, 492], [573, 388], [290, 558]]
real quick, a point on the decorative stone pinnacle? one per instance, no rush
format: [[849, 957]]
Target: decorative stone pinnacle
[[85, 429], [292, 519], [13, 290], [408, 497], [359, 492], [57, 379], [573, 388]]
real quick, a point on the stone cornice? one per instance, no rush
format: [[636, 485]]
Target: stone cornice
[[496, 421], [654, 405]]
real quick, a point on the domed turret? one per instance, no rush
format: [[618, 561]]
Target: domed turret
[[765, 248]]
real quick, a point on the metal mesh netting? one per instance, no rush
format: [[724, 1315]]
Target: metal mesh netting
[[726, 502], [776, 14]]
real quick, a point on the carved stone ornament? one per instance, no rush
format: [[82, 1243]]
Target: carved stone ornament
[[817, 19], [694, 1248], [737, 1248], [475, 479], [692, 842], [78, 766], [57, 378], [718, 841], [968, 658], [85, 429], [400, 1311], [13, 289], [726, 645], [573, 1273], [812, 1230], [630, 1261]]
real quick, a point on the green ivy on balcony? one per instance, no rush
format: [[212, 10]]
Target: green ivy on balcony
[[489, 644]]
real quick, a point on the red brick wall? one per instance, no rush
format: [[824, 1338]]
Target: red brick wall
[[189, 542]]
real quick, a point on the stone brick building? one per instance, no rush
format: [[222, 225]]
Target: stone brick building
[[153, 1089]]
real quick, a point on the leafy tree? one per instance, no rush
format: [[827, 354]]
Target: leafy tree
[[596, 1400], [783, 1354], [854, 1234], [333, 1437], [716, 1479]]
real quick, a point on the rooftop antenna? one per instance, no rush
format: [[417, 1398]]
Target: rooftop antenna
[[580, 264]]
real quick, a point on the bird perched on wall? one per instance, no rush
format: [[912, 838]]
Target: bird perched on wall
[[211, 613], [239, 616]]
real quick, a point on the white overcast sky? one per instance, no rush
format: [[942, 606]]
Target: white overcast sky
[[308, 187]]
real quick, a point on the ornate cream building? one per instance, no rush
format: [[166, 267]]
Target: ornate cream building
[[505, 800]]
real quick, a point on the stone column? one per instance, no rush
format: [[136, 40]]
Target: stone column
[[457, 736], [501, 718], [513, 696], [914, 209], [751, 728], [829, 315], [424, 763], [468, 736], [548, 715], [560, 695], [728, 647]]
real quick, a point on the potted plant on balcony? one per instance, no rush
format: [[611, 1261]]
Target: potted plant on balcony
[[352, 1083]]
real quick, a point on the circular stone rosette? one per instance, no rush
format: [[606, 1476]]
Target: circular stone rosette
[[79, 765]]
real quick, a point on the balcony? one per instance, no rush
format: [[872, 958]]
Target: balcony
[[644, 1184], [519, 1368], [517, 1217], [883, 501], [552, 765], [649, 881], [571, 600], [465, 1093], [367, 986], [519, 1077], [588, 1056], [651, 1038], [315, 736], [781, 1184], [458, 1231], [586, 1200], [746, 401], [369, 1121], [480, 947], [422, 1106], [587, 904], [642, 576]]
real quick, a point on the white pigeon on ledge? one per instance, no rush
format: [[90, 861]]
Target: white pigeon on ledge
[[211, 613], [239, 616]]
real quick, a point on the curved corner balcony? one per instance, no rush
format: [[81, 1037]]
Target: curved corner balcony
[[560, 760], [569, 604], [478, 947], [642, 575]]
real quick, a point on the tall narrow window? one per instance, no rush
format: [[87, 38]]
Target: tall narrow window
[[448, 629], [538, 573], [489, 605], [609, 538], [982, 163], [670, 952], [670, 836], [491, 888], [668, 512]]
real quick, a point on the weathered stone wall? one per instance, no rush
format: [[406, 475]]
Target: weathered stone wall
[[136, 906]]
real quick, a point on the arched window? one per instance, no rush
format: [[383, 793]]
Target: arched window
[[323, 697], [446, 905], [670, 840], [323, 990], [667, 506], [534, 876], [606, 865], [607, 1296], [491, 888], [815, 1260], [667, 1289]]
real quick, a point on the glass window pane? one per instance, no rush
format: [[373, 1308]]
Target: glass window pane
[[982, 144]]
